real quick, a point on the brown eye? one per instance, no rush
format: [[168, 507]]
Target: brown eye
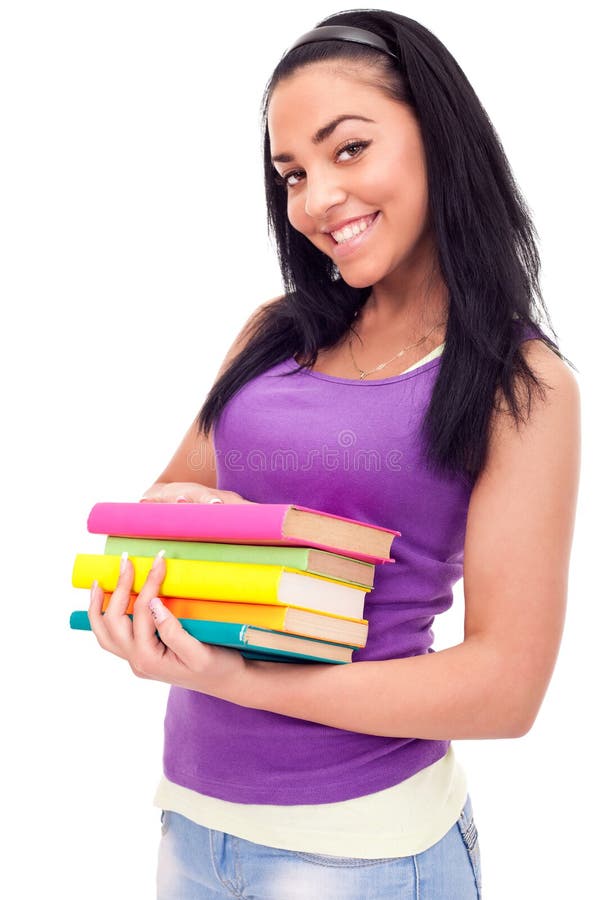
[[284, 179], [353, 145], [289, 175], [357, 146]]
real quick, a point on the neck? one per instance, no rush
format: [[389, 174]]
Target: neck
[[406, 318], [408, 303]]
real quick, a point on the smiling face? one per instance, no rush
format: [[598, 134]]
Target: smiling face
[[353, 163]]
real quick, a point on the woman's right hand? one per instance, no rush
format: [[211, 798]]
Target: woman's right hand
[[189, 492]]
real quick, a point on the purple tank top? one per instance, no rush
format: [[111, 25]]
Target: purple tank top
[[350, 448]]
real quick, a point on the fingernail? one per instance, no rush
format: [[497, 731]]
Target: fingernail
[[93, 589], [215, 500], [157, 610], [159, 555], [123, 563], [181, 499]]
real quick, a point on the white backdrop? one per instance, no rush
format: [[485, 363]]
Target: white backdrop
[[134, 246]]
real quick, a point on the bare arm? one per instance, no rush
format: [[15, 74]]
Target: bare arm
[[517, 548], [518, 541]]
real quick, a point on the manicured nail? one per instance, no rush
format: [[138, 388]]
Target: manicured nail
[[159, 555], [157, 610], [123, 563], [215, 500], [181, 499]]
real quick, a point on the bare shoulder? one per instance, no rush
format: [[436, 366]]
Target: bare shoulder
[[543, 358], [245, 334], [558, 389], [542, 445]]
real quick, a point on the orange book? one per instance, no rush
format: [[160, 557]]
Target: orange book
[[288, 619]]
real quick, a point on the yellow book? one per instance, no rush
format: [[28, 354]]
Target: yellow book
[[290, 619], [225, 581]]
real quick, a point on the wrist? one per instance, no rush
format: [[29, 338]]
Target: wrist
[[254, 683], [227, 675]]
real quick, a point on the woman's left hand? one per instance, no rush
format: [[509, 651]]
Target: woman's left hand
[[172, 656]]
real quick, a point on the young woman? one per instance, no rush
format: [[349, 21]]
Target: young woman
[[402, 379]]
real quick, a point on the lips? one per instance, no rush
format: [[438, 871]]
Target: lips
[[339, 251], [339, 226]]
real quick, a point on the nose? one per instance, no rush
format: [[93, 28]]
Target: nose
[[323, 192]]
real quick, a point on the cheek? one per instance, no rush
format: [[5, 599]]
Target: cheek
[[420, 200], [296, 214], [402, 185]]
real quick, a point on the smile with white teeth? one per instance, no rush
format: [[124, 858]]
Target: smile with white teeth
[[350, 231]]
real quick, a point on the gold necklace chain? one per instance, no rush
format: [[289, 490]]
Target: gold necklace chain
[[364, 374]]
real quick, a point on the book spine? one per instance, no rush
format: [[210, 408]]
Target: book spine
[[293, 557], [185, 578], [264, 615], [259, 523], [230, 634]]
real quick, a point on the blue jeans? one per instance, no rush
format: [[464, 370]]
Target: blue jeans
[[197, 863]]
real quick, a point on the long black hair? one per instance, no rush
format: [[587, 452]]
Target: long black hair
[[483, 232]]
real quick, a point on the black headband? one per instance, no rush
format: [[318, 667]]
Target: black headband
[[343, 33]]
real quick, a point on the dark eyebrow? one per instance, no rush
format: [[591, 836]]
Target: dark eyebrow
[[320, 135]]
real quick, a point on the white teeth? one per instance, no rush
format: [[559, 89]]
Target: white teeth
[[349, 231]]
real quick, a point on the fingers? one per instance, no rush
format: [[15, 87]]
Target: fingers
[[136, 640], [153, 494], [181, 492], [95, 610], [189, 492], [191, 652], [144, 627], [99, 624], [119, 600], [184, 498], [113, 629], [155, 644], [154, 653]]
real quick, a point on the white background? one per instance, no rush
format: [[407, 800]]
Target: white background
[[134, 246]]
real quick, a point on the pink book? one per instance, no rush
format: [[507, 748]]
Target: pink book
[[245, 523]]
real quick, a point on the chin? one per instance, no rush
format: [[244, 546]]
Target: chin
[[360, 277], [356, 281]]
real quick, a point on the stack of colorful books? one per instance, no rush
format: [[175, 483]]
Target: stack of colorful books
[[277, 581]]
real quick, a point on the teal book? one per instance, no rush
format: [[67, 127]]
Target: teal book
[[304, 559], [253, 642]]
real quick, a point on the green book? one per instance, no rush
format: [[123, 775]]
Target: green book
[[253, 642], [306, 559]]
